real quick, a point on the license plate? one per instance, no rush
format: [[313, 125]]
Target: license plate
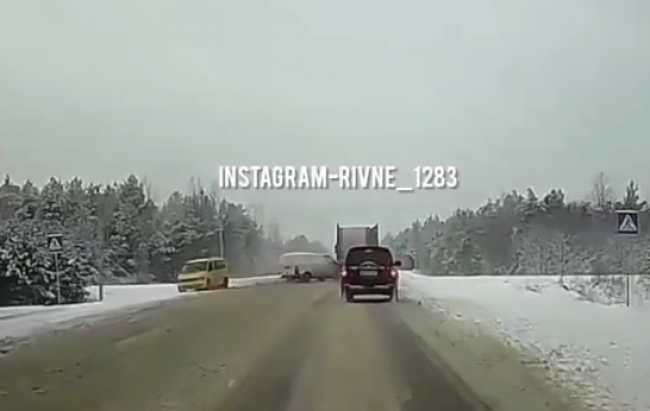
[[367, 273]]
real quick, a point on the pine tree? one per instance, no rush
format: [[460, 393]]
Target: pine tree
[[114, 233]]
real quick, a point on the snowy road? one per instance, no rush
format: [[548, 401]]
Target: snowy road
[[17, 322], [595, 351], [284, 347]]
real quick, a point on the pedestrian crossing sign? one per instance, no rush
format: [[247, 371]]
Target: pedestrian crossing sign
[[55, 243], [628, 222]]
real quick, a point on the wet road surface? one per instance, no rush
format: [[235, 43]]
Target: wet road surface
[[285, 347]]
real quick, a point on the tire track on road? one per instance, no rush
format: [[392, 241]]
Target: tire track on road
[[271, 383], [433, 385]]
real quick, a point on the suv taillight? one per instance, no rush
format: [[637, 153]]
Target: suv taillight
[[343, 273]]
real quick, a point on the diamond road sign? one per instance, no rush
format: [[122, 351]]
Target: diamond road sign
[[55, 243], [627, 222]]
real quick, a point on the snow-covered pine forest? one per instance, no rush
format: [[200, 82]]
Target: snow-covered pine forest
[[117, 233], [532, 234]]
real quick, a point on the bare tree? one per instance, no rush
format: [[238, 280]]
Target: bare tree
[[148, 189], [602, 194], [214, 193], [257, 212]]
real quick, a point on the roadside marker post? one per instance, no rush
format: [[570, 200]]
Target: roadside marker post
[[55, 247], [627, 226]]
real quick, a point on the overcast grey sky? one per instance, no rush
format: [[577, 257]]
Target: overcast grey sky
[[514, 93]]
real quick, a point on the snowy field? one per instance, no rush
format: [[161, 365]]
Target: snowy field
[[601, 352], [17, 322]]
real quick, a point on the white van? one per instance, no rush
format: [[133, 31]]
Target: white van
[[307, 266]]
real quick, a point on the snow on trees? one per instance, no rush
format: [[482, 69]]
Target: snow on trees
[[527, 234], [115, 233]]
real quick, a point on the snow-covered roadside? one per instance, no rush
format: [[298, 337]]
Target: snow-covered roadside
[[19, 322], [598, 351]]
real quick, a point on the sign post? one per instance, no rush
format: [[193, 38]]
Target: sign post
[[627, 226], [55, 246]]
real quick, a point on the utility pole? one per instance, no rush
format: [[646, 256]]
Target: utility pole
[[222, 243], [222, 237]]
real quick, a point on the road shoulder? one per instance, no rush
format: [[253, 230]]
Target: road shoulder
[[500, 375]]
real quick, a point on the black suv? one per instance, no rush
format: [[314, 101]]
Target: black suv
[[369, 270]]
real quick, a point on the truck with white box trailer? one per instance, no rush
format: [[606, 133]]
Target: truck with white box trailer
[[350, 236]]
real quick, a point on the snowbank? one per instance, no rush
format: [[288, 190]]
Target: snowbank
[[22, 321], [599, 351], [247, 282], [17, 322]]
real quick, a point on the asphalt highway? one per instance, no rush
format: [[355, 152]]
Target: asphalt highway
[[284, 347]]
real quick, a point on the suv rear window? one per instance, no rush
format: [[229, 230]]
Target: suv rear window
[[380, 256]]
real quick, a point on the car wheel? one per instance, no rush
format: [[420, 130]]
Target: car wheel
[[208, 285], [306, 277], [349, 297], [390, 297], [226, 282]]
